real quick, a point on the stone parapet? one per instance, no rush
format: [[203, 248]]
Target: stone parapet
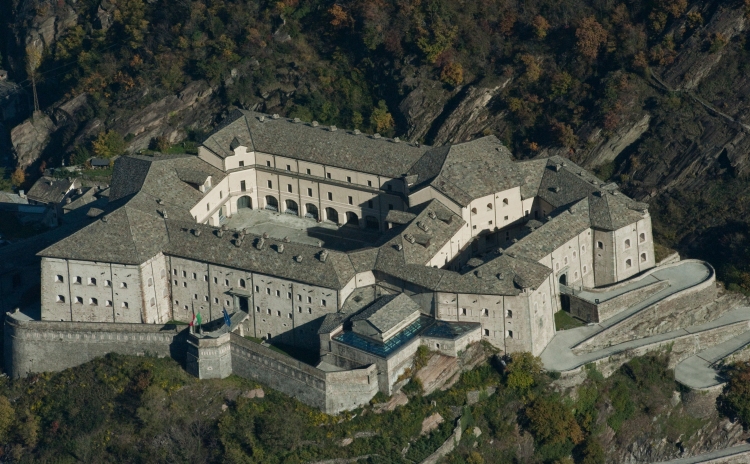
[[208, 358], [50, 346]]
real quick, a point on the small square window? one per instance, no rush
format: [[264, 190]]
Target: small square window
[[270, 184], [309, 192], [77, 280], [93, 301], [308, 172], [79, 300], [59, 278], [322, 302], [107, 283], [242, 164], [369, 183], [463, 311], [268, 163], [328, 175], [288, 167], [123, 285], [505, 218], [226, 302], [330, 196], [486, 332], [351, 200], [289, 188], [176, 283], [124, 305], [348, 179], [60, 299]]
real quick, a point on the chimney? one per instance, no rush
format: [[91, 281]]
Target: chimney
[[219, 233], [333, 128], [197, 232], [259, 244], [262, 119], [323, 256], [280, 247], [238, 242], [298, 258], [409, 238]]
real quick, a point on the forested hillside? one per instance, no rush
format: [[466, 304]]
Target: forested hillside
[[650, 94]]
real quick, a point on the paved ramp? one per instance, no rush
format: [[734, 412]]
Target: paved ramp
[[558, 355]]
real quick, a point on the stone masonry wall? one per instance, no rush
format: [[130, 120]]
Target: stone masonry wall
[[50, 346], [592, 312], [680, 348], [664, 316]]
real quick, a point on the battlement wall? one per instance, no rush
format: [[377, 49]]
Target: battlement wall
[[50, 346]]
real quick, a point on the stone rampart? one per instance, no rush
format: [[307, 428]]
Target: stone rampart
[[680, 348], [332, 392], [49, 346], [597, 312], [664, 316]]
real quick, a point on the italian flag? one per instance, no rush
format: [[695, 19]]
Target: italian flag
[[196, 320]]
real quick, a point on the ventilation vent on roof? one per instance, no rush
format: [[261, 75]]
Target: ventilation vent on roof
[[219, 233], [432, 215], [238, 242], [515, 240], [500, 277], [320, 243], [297, 120], [323, 256], [275, 116], [260, 243], [564, 163], [196, 232], [164, 214], [160, 201], [262, 119], [478, 273], [556, 189], [265, 235], [280, 247], [376, 135], [399, 247], [104, 218], [333, 128], [286, 240], [315, 123], [298, 258], [396, 139], [68, 201], [224, 227], [423, 226], [500, 250], [409, 238]]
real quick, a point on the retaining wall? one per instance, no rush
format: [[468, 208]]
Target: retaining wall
[[661, 317], [593, 312], [50, 346], [681, 347]]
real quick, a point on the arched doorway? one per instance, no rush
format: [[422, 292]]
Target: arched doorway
[[244, 202], [311, 211], [352, 219], [272, 203], [332, 215], [371, 222], [564, 279], [291, 208]]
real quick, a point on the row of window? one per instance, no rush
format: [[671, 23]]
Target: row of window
[[78, 280], [486, 333], [309, 173], [489, 207], [626, 242], [278, 313], [205, 298], [486, 312], [290, 189], [93, 301]]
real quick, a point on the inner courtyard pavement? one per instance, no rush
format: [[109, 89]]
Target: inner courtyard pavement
[[696, 372]]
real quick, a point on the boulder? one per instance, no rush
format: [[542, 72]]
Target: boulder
[[30, 138], [430, 423]]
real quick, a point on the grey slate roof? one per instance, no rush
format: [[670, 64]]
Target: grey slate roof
[[334, 273], [50, 190], [399, 217], [302, 141], [388, 311], [613, 211]]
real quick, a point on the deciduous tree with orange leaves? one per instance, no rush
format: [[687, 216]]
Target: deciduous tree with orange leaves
[[591, 35]]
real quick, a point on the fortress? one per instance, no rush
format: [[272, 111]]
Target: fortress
[[355, 249]]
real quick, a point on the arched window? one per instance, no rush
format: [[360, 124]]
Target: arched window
[[291, 208], [332, 215], [489, 206], [627, 243], [508, 313], [643, 257], [92, 281], [600, 245], [244, 201], [628, 263], [642, 237], [485, 312], [505, 202], [272, 203], [311, 211], [93, 301], [242, 283], [583, 248], [352, 219], [509, 334], [473, 211]]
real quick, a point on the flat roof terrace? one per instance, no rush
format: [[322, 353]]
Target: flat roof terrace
[[304, 230]]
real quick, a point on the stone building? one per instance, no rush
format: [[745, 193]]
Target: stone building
[[468, 243]]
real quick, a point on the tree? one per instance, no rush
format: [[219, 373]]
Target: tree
[[340, 16], [591, 35], [381, 119], [541, 26], [131, 16], [565, 134], [7, 418], [452, 74], [735, 399], [34, 52], [108, 144], [18, 178], [551, 422], [522, 370]]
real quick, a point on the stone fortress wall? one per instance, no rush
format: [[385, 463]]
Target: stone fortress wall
[[51, 346]]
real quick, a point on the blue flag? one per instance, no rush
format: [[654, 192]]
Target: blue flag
[[226, 317]]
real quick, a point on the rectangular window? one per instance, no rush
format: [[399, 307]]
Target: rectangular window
[[184, 273], [369, 183], [309, 192], [309, 299], [242, 164], [226, 282], [216, 280], [60, 299], [268, 163], [77, 280], [123, 285], [322, 302], [299, 297], [216, 301], [59, 278], [174, 271], [124, 304], [309, 310], [330, 196], [288, 167], [308, 172], [289, 188], [390, 207], [351, 200], [270, 184], [348, 179], [243, 186], [79, 300], [107, 283], [205, 278], [195, 276], [328, 175], [278, 293], [463, 311], [268, 291], [289, 295], [257, 289]]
